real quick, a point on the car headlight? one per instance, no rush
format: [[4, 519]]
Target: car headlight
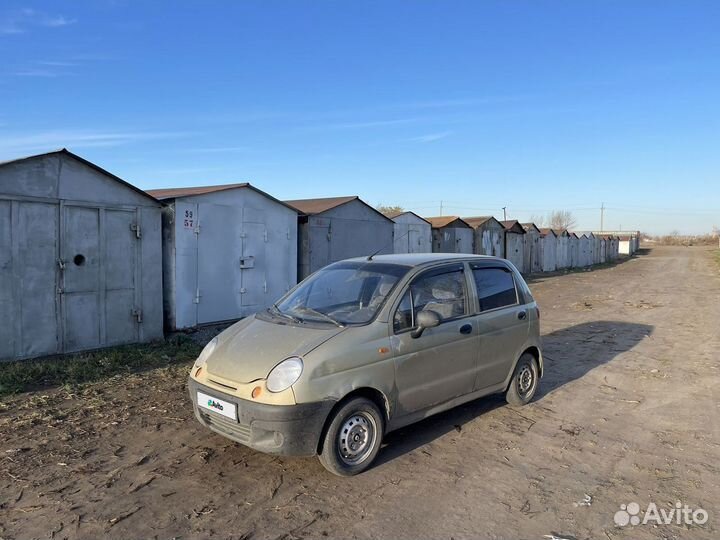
[[206, 352], [285, 374]]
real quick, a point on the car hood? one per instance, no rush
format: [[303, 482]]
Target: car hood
[[249, 349]]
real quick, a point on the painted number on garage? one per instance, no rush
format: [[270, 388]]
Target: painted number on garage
[[189, 219]]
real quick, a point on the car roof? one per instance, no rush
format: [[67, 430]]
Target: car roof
[[418, 259]]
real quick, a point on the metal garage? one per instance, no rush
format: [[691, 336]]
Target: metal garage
[[573, 250], [413, 234], [585, 251], [532, 255], [597, 248], [628, 242], [336, 228], [612, 248], [80, 258], [228, 251], [451, 235], [548, 250], [562, 251], [514, 243], [489, 235]]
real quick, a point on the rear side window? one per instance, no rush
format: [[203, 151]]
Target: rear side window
[[441, 292], [496, 288]]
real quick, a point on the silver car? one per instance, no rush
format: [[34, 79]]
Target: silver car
[[366, 346]]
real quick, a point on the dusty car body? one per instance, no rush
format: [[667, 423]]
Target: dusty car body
[[365, 346]]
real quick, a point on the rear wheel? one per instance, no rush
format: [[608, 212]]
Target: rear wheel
[[524, 382], [353, 437]]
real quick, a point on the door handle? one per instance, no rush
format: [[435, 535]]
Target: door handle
[[522, 314], [466, 328]]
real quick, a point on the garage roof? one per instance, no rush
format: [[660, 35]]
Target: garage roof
[[177, 193], [393, 215], [68, 153], [318, 206], [477, 221], [439, 222], [513, 225], [310, 207]]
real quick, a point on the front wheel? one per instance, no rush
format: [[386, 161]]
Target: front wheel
[[524, 382], [352, 440]]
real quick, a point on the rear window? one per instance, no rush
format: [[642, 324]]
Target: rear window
[[496, 288]]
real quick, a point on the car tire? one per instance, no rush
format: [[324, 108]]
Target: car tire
[[524, 382], [353, 437]]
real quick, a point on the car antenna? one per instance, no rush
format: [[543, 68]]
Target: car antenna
[[370, 257]]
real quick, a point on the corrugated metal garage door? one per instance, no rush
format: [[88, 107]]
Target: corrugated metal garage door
[[28, 281], [218, 275], [68, 276], [230, 277], [99, 276]]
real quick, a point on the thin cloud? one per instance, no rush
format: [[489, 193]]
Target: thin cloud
[[20, 21], [430, 137], [19, 144], [55, 63], [220, 149], [46, 68], [463, 102], [57, 21], [8, 28], [367, 124], [187, 170], [37, 73]]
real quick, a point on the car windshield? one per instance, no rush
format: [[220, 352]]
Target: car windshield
[[342, 293]]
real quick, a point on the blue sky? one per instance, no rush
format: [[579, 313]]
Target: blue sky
[[534, 105]]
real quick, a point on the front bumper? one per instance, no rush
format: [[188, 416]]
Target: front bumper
[[287, 430]]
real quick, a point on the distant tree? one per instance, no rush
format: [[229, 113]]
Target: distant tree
[[387, 210], [561, 219], [537, 220]]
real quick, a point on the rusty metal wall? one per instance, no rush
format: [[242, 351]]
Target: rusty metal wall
[[532, 257], [453, 240], [411, 234], [514, 249], [350, 230], [490, 239]]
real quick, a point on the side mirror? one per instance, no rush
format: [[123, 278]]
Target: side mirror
[[427, 318]]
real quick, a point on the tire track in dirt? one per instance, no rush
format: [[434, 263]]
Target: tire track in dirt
[[628, 410]]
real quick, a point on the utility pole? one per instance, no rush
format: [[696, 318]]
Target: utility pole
[[504, 213], [441, 208], [602, 217]]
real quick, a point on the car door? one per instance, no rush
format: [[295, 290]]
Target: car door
[[502, 323], [440, 364]]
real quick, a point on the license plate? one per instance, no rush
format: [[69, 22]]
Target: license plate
[[217, 405]]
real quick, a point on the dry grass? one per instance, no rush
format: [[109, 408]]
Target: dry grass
[[686, 240], [76, 369]]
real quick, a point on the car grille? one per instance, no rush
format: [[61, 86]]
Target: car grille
[[227, 427]]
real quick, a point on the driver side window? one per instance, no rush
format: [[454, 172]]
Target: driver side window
[[443, 293]]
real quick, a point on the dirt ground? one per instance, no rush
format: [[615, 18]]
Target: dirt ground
[[628, 412]]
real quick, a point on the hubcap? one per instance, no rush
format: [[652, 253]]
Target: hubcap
[[526, 379], [356, 438]]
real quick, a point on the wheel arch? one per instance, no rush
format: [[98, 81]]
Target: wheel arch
[[373, 394], [535, 352]]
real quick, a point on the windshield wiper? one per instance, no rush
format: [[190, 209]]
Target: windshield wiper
[[277, 310], [323, 315]]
